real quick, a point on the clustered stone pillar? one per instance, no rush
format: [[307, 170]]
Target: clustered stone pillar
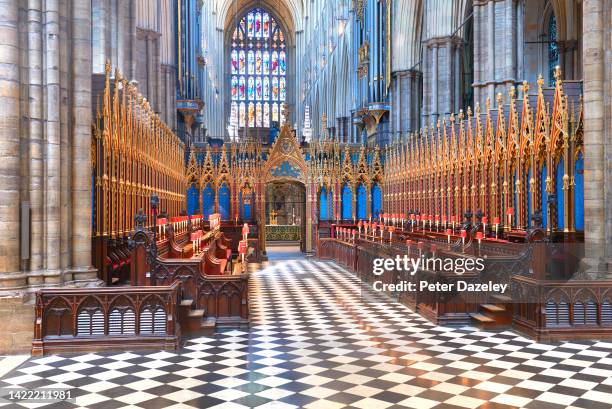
[[81, 142], [342, 129], [45, 144], [10, 179], [498, 47], [597, 133], [442, 77], [36, 133], [406, 102]]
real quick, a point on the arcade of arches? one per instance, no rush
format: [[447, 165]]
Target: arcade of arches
[[140, 137]]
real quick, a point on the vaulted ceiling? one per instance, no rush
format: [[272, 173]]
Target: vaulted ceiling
[[290, 12]]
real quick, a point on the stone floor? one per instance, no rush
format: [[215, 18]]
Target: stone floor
[[317, 342]]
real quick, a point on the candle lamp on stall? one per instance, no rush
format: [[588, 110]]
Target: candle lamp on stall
[[391, 230], [509, 212], [479, 237], [496, 221], [449, 232], [420, 246], [463, 236], [485, 220], [245, 231]]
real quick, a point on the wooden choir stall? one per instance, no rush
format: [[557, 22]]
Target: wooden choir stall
[[166, 274], [503, 185]]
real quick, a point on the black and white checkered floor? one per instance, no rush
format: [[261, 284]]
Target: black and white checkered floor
[[315, 342]]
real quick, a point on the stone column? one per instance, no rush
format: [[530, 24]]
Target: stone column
[[435, 108], [53, 163], [35, 105], [443, 80], [9, 146], [595, 186], [81, 141]]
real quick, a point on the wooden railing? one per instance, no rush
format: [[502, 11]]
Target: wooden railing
[[440, 307], [90, 319], [559, 310], [224, 298], [204, 278]]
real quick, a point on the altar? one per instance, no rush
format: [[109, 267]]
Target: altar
[[283, 232], [285, 209]]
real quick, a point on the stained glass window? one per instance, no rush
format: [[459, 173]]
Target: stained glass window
[[258, 69], [553, 49]]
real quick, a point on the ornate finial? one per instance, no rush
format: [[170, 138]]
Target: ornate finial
[[540, 82], [452, 118], [461, 115], [469, 112], [525, 88], [557, 73], [107, 67], [512, 92]]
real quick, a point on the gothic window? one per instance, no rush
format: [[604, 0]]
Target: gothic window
[[258, 81], [553, 49]]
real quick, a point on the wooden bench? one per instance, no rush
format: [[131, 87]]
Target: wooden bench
[[98, 319]]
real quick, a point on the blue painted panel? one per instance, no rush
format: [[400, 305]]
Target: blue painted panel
[[361, 202], [560, 196], [246, 204], [376, 199], [224, 202], [285, 169], [193, 205], [330, 205], [579, 194], [529, 204], [544, 199], [323, 206], [347, 203], [208, 201]]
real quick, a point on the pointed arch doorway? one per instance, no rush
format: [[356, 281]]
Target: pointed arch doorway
[[286, 213], [284, 205]]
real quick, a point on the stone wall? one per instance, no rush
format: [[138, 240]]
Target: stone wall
[[16, 325]]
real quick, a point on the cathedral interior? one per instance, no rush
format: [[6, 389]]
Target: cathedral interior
[[197, 198]]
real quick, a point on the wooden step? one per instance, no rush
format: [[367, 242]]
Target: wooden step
[[187, 302], [482, 319], [492, 308], [191, 320], [196, 314], [501, 299], [207, 326]]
